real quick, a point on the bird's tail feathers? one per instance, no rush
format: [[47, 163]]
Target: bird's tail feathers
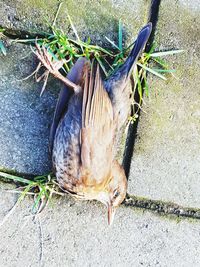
[[139, 45]]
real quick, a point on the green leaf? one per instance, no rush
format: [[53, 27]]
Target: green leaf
[[75, 31], [36, 203], [102, 66], [152, 48], [28, 41], [152, 71], [41, 179], [164, 71], [45, 190], [25, 191], [139, 85], [166, 53], [161, 62], [56, 16], [15, 178], [2, 48], [120, 36], [112, 43]]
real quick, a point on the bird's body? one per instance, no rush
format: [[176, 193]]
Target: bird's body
[[83, 152], [84, 130]]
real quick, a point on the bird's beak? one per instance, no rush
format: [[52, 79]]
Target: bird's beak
[[104, 198], [111, 213]]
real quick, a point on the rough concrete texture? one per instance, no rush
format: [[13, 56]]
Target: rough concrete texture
[[166, 157], [25, 117], [165, 162], [69, 233], [96, 19]]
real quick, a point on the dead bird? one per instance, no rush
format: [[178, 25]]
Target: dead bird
[[88, 115]]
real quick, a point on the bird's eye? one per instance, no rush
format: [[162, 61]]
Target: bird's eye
[[116, 193]]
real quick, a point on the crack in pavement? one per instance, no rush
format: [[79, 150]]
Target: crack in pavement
[[157, 206], [41, 239], [153, 13], [161, 207], [21, 34]]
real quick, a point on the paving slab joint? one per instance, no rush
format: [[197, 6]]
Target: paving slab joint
[[132, 130], [157, 206], [162, 207]]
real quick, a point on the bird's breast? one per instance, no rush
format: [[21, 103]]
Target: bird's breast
[[66, 148]]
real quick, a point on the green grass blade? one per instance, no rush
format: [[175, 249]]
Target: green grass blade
[[166, 53], [128, 48], [112, 43], [152, 48], [102, 66], [45, 190], [41, 179], [75, 31], [57, 13], [111, 68], [138, 84], [164, 71], [36, 203], [152, 71], [120, 33], [2, 48], [91, 47], [15, 178], [25, 191], [160, 62], [28, 41]]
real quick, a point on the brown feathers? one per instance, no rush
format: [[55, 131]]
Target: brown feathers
[[97, 128]]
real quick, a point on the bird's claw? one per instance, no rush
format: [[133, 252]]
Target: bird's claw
[[52, 64]]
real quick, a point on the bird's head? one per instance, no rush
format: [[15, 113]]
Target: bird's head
[[115, 192]]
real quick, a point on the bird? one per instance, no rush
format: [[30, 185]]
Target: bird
[[89, 113]]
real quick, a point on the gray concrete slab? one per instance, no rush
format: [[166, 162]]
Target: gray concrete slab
[[75, 233], [96, 19], [166, 159], [25, 117], [165, 163]]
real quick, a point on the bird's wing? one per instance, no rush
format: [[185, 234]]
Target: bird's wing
[[97, 133], [75, 76]]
